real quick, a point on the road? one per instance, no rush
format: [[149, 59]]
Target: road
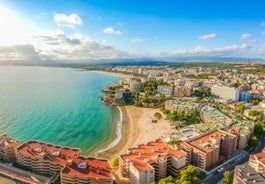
[[243, 159], [21, 174]]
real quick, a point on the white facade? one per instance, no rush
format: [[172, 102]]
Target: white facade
[[226, 92]]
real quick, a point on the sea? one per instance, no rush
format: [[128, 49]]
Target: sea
[[59, 106]]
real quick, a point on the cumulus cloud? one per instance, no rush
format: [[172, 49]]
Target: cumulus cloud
[[230, 50], [208, 36], [63, 20], [59, 46], [110, 30], [245, 36], [137, 40], [18, 52]]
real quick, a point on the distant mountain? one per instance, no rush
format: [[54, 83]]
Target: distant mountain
[[133, 61]]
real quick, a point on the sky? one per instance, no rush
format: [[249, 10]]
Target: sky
[[122, 29]]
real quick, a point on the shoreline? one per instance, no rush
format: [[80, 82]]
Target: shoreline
[[125, 76], [118, 132], [137, 128]]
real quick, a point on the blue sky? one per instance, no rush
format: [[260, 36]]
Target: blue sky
[[110, 29]]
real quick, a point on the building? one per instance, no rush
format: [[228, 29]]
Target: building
[[244, 96], [245, 174], [207, 150], [257, 161], [226, 92], [182, 91], [151, 161], [8, 147], [209, 115], [63, 162], [165, 89], [178, 105], [135, 84], [243, 131]]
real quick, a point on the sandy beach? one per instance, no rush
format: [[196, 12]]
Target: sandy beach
[[137, 129], [137, 126], [113, 73]]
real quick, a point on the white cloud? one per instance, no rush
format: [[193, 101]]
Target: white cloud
[[230, 50], [263, 32], [58, 46], [262, 24], [63, 20], [18, 52], [105, 42], [208, 36], [137, 40], [110, 30], [245, 36]]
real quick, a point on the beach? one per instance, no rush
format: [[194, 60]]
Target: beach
[[112, 73], [137, 128]]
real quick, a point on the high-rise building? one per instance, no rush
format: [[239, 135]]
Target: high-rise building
[[8, 147], [151, 161], [226, 92], [207, 150], [165, 89], [64, 162], [243, 131]]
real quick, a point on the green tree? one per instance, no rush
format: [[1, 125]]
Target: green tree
[[202, 175], [188, 175], [228, 178], [255, 101], [259, 129], [238, 118], [174, 142], [115, 162], [253, 141], [158, 115], [167, 180], [240, 107], [166, 111], [253, 113]]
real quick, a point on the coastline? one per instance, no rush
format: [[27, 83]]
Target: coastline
[[112, 73], [134, 127], [137, 128]]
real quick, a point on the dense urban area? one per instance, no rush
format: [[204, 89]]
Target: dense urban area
[[216, 113]]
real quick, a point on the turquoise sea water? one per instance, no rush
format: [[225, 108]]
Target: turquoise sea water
[[56, 105]]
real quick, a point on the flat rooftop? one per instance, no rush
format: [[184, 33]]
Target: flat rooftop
[[145, 154]]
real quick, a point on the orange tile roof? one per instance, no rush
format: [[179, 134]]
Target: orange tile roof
[[92, 167], [145, 154], [259, 156], [68, 157], [205, 142]]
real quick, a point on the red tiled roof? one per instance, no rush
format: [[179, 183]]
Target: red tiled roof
[[94, 168], [259, 156], [68, 157], [145, 154], [205, 142]]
